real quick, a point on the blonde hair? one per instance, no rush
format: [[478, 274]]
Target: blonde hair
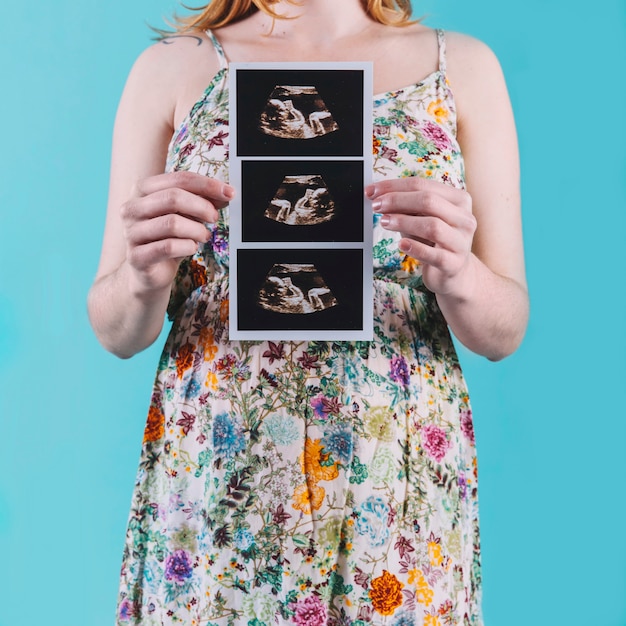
[[223, 12]]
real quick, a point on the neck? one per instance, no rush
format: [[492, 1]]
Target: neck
[[316, 20]]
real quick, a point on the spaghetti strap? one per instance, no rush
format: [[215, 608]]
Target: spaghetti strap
[[441, 40], [221, 55]]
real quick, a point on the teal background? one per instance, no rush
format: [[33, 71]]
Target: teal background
[[551, 420]]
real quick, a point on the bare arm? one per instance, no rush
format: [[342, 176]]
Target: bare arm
[[470, 243], [153, 220]]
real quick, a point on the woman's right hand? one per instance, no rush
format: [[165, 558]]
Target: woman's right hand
[[164, 221]]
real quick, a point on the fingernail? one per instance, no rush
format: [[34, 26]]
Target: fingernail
[[384, 221], [376, 205], [228, 192], [369, 191]]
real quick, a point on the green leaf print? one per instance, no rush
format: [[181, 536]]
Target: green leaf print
[[382, 251], [358, 471], [272, 576], [416, 147], [337, 585]]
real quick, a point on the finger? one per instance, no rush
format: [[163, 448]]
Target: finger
[[416, 183], [210, 188], [145, 256], [167, 201], [171, 226], [428, 204], [430, 230], [423, 252]]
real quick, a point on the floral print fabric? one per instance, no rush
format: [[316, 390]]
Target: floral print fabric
[[309, 483]]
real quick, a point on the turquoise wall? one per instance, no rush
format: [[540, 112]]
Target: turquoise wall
[[551, 420]]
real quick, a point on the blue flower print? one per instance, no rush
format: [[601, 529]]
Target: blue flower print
[[228, 438], [243, 539], [281, 429], [404, 619], [372, 520], [193, 388], [338, 441]]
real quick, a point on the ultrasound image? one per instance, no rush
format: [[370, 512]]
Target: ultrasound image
[[295, 288], [302, 201], [296, 112]]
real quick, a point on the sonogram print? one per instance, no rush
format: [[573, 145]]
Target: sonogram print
[[296, 112], [295, 288], [302, 201], [300, 226]]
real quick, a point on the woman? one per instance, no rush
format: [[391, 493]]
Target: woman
[[312, 483]]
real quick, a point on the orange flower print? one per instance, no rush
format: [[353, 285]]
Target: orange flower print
[[198, 274], [311, 459], [438, 110], [307, 498], [184, 359], [206, 335], [376, 146], [155, 426], [207, 340], [224, 310], [423, 593], [434, 553], [386, 593], [409, 264], [211, 381]]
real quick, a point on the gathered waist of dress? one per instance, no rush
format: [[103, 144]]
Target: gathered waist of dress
[[401, 294]]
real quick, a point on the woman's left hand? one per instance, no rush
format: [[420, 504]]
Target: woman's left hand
[[437, 227]]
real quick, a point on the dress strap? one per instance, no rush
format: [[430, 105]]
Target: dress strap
[[221, 55], [441, 40]]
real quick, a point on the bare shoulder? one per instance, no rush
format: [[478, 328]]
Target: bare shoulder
[[190, 52], [468, 54], [172, 72], [473, 71], [406, 54]]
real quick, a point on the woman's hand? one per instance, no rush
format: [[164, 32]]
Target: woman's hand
[[437, 227], [164, 221]]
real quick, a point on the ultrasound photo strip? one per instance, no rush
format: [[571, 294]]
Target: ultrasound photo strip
[[301, 228]]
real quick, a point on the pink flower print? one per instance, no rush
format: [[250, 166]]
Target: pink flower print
[[435, 442], [126, 610], [435, 134], [309, 612], [467, 425]]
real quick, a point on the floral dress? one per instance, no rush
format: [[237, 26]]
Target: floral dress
[[309, 483]]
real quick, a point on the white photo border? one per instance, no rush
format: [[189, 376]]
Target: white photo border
[[236, 243]]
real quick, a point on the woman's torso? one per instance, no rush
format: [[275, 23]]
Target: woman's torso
[[316, 431]]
